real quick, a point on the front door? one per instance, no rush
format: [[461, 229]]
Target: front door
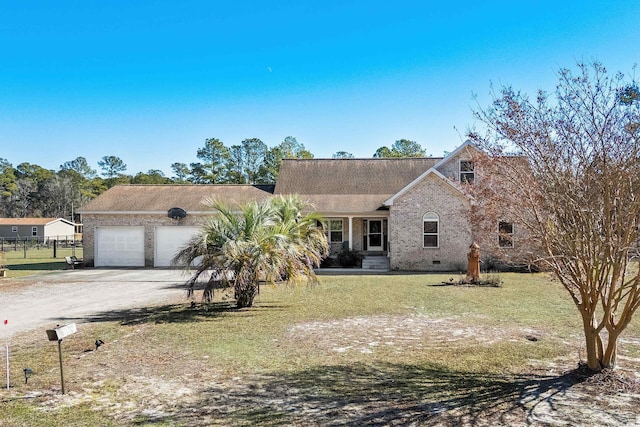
[[374, 235]]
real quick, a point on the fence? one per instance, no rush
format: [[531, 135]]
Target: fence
[[26, 243]]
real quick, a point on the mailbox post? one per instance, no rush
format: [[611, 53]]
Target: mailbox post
[[58, 334]]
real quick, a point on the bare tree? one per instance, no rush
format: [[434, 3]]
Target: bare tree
[[574, 187]]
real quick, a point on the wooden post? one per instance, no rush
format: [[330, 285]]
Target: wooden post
[[58, 334], [60, 358]]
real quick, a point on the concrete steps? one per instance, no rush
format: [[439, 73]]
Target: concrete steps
[[375, 263]]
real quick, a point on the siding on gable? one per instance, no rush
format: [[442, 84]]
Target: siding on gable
[[407, 251], [59, 230], [451, 168]]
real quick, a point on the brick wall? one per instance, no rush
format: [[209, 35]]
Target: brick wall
[[406, 226], [150, 222]]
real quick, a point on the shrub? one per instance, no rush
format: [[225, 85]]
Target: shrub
[[326, 262], [349, 258]]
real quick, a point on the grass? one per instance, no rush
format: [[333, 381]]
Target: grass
[[37, 261], [356, 350]]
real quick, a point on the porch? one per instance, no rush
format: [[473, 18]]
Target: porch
[[364, 238]]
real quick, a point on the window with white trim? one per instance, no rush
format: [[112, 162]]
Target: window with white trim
[[14, 228], [505, 234], [467, 171], [430, 230], [333, 230], [34, 231]]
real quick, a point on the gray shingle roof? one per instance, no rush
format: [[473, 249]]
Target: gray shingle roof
[[331, 185], [349, 185], [346, 203], [161, 198], [349, 176]]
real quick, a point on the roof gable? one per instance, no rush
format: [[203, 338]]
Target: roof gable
[[431, 171], [467, 145]]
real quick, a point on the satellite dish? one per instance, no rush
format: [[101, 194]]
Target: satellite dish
[[176, 213]]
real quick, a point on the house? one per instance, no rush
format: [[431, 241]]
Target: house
[[40, 229], [409, 212]]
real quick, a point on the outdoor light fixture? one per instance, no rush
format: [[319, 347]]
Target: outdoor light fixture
[[27, 373]]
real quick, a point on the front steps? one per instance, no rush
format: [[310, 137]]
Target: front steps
[[375, 263]]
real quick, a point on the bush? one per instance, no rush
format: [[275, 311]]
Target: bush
[[326, 262], [349, 258]]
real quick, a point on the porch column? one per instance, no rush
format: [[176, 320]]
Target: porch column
[[389, 237], [350, 233]]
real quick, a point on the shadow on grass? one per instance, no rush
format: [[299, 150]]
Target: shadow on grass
[[174, 313], [377, 395], [38, 266], [468, 285], [169, 313]]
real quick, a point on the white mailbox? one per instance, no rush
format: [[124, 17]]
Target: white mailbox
[[61, 332]]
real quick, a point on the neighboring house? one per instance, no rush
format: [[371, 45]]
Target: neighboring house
[[40, 229], [411, 212]]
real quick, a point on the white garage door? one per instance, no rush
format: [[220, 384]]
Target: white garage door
[[168, 241], [119, 247]]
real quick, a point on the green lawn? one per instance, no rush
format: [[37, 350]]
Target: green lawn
[[352, 350], [37, 261]]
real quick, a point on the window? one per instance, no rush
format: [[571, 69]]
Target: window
[[333, 228], [505, 234], [467, 173], [34, 231], [431, 228], [14, 228]]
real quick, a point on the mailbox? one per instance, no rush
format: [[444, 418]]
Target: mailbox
[[61, 332]]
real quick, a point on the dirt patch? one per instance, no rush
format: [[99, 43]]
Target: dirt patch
[[364, 334]]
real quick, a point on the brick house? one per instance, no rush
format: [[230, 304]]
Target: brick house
[[401, 213]]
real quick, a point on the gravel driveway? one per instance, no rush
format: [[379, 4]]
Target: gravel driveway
[[47, 300]]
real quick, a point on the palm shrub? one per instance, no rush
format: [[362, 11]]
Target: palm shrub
[[268, 241]]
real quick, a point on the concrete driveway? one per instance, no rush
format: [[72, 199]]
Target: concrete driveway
[[74, 294]]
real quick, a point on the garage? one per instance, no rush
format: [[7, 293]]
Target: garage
[[119, 247], [168, 240]]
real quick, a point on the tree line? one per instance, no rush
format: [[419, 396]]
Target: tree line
[[29, 190]]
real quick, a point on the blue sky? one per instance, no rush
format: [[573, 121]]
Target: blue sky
[[149, 81]]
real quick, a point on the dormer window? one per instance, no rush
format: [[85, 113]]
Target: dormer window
[[467, 173]]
